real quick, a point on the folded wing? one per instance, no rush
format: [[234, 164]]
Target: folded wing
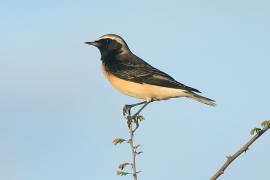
[[141, 72]]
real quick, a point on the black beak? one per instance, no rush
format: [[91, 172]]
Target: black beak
[[94, 43]]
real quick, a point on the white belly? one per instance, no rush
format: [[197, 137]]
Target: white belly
[[143, 91]]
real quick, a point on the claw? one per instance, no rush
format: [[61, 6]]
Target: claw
[[137, 123], [136, 118], [126, 110]]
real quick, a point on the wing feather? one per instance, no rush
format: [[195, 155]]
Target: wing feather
[[137, 70]]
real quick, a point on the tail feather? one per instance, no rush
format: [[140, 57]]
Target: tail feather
[[202, 99]]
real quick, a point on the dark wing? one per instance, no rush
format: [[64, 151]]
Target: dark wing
[[136, 70]]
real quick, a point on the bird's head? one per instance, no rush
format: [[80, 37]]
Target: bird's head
[[110, 45]]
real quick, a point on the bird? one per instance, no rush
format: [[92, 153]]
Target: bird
[[134, 77]]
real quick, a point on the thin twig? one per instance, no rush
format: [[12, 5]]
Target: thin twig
[[133, 125], [133, 120], [244, 148], [133, 150]]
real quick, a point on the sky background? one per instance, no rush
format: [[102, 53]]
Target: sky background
[[58, 115]]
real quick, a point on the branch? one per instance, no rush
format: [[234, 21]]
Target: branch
[[133, 125], [132, 148], [230, 159]]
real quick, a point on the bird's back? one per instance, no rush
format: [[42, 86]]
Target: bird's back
[[131, 67]]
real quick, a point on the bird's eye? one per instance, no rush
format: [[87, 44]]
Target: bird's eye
[[108, 41], [110, 44], [103, 41]]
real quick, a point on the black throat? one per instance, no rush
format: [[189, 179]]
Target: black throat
[[114, 62], [109, 56]]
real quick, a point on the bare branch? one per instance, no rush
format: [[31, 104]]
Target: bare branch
[[133, 150], [131, 121], [133, 125], [230, 159]]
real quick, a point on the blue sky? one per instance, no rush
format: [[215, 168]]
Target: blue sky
[[58, 115]]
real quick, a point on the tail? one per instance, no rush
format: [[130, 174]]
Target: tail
[[202, 99]]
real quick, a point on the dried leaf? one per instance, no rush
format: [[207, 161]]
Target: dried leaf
[[255, 130], [122, 166], [118, 141], [140, 118], [266, 123], [122, 173], [137, 146]]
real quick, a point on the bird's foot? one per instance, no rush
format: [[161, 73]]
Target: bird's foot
[[136, 118], [126, 110]]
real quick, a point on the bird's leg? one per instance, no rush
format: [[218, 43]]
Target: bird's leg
[[145, 104], [135, 116], [127, 107]]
